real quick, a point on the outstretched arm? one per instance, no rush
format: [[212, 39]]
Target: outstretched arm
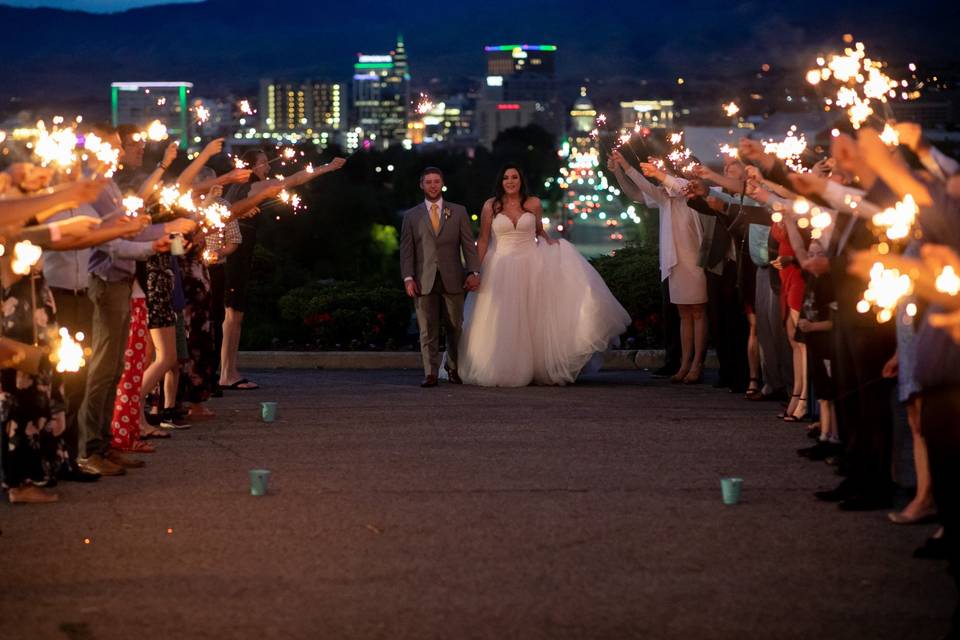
[[306, 175]]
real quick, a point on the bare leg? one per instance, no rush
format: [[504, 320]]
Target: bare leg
[[922, 504], [171, 381], [165, 347], [798, 403], [686, 341], [232, 323], [753, 353]]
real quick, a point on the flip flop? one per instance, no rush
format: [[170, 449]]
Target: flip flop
[[154, 433], [236, 386]]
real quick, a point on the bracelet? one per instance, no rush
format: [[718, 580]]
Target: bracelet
[[160, 166]]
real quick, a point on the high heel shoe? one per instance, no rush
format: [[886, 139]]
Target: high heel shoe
[[753, 392], [786, 412], [793, 417], [678, 377]]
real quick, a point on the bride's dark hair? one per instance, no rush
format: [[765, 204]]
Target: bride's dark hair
[[499, 193]]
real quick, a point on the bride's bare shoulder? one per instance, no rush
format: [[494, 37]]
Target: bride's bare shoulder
[[532, 203]]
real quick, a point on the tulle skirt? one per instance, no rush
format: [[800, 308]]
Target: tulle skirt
[[539, 316]]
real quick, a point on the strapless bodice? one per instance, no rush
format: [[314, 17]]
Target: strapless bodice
[[510, 238]]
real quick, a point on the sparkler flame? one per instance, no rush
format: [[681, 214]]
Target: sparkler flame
[[889, 136], [202, 113], [132, 205], [898, 219], [731, 109], [215, 215], [25, 255], [156, 131], [425, 104], [69, 354], [884, 291], [948, 282], [245, 107]]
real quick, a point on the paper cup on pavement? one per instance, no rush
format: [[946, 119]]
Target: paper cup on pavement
[[268, 411], [259, 479], [730, 488]]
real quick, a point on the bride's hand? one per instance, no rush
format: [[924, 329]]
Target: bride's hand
[[549, 240]]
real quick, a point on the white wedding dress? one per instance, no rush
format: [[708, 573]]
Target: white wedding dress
[[540, 314]]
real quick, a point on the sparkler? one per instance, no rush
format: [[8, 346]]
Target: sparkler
[[730, 152], [790, 149], [68, 354], [156, 131], [244, 107], [862, 83], [424, 104], [238, 163], [56, 147], [104, 153], [25, 255], [132, 205], [209, 256], [948, 282], [731, 109], [890, 136], [897, 220], [202, 113], [884, 291], [215, 215]]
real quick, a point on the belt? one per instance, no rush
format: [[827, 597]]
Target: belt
[[57, 291]]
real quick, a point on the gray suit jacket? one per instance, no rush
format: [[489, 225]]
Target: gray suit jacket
[[424, 254]]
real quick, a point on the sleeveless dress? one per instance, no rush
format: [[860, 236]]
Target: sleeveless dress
[[540, 314]]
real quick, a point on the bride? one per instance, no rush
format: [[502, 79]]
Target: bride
[[541, 311]]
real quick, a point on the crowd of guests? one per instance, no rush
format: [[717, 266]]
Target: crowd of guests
[[742, 261], [157, 292]]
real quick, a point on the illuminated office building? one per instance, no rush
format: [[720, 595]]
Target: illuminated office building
[[381, 96], [655, 114], [140, 103]]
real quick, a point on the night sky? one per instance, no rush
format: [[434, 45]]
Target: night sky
[[98, 6]]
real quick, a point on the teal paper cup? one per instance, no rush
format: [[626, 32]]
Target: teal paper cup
[[258, 482], [731, 489], [268, 411]]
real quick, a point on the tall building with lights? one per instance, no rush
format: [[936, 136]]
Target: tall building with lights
[[381, 96], [142, 102], [520, 89], [283, 106]]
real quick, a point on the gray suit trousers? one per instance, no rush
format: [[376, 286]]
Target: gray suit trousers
[[429, 310]]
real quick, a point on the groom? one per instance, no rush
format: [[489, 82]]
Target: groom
[[434, 235]]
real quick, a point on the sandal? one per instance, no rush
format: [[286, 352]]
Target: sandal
[[753, 390], [152, 432], [795, 418], [137, 446], [784, 413], [239, 386]]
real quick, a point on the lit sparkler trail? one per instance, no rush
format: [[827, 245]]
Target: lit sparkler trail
[[105, 154], [898, 219], [245, 107], [731, 109], [884, 291], [730, 152], [215, 216], [238, 163], [69, 354]]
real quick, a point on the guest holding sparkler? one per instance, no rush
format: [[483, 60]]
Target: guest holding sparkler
[[240, 264]]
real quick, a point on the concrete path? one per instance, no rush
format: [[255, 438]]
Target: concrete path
[[591, 511]]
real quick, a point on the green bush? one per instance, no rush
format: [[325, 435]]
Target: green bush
[[633, 275], [348, 315]]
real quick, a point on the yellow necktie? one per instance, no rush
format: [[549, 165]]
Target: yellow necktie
[[435, 218]]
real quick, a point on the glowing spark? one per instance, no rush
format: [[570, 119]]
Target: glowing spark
[[309, 168], [890, 136], [898, 219], [215, 216], [25, 255], [132, 205], [790, 149], [69, 353], [948, 282], [55, 147], [730, 152], [156, 131], [676, 138], [202, 113], [601, 119], [884, 291], [245, 107], [425, 104], [104, 153], [209, 256], [731, 109], [239, 164], [161, 102]]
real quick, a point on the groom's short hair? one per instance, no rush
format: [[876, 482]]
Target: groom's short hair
[[429, 170]]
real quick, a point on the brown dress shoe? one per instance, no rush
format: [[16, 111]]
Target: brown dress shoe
[[127, 463], [98, 464], [429, 381], [30, 494], [453, 376]]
